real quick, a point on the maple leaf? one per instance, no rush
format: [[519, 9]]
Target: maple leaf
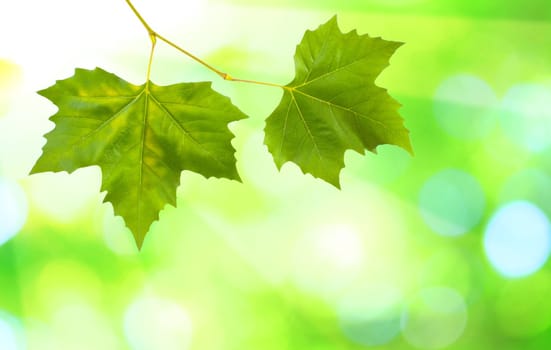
[[333, 103], [142, 137]]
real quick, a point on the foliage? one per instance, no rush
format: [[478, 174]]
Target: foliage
[[142, 137], [333, 103]]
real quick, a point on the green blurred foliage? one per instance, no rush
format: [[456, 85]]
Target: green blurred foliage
[[284, 261]]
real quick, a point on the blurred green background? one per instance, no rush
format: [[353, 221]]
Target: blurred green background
[[445, 250]]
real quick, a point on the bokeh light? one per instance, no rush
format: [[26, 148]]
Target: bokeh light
[[61, 282], [465, 106], [10, 333], [10, 79], [92, 331], [371, 315], [444, 250], [435, 318], [451, 202], [328, 258], [13, 209], [526, 116], [517, 240], [151, 323]]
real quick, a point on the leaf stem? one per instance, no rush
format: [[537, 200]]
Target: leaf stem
[[154, 36], [190, 55], [144, 23], [151, 54]]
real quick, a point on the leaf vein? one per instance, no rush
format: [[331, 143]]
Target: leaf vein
[[346, 109], [185, 131], [306, 126]]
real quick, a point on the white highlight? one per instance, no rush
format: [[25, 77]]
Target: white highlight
[[10, 337], [518, 239]]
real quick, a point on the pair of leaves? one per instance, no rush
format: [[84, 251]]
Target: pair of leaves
[[143, 137]]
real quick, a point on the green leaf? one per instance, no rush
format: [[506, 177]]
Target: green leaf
[[333, 103], [142, 137]]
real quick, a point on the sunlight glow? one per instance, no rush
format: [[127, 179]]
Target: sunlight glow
[[328, 258]]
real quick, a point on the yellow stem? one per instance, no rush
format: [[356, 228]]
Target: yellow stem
[[192, 56], [151, 53], [154, 36], [147, 27]]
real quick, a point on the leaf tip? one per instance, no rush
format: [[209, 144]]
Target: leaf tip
[[236, 177], [409, 149], [139, 242], [398, 44], [43, 92], [334, 181], [38, 167], [405, 144], [34, 170], [333, 21], [139, 234]]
